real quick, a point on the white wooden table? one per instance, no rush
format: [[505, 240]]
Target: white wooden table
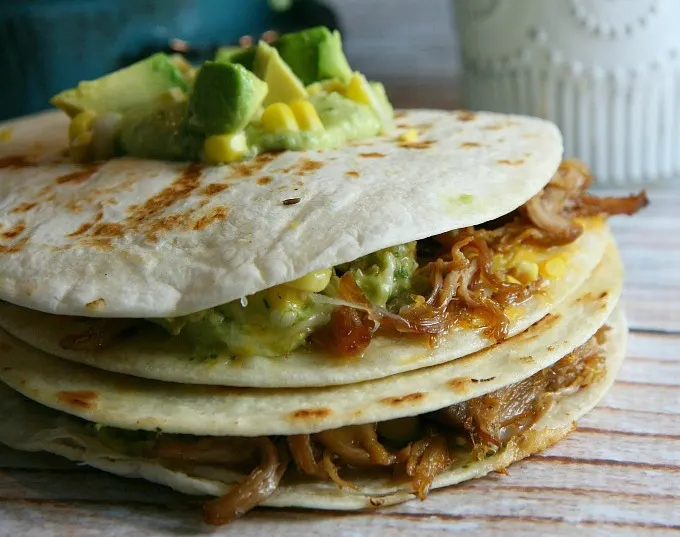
[[617, 474]]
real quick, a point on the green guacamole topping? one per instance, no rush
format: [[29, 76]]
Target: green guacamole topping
[[298, 93], [278, 320]]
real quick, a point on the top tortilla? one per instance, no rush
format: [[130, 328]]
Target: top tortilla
[[140, 238]]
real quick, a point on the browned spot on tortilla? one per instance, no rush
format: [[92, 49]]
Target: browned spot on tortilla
[[460, 384], [527, 359], [203, 203], [483, 380], [410, 398], [13, 248], [297, 182], [399, 114], [215, 215], [77, 177], [311, 413], [309, 166], [494, 127], [96, 305], [84, 228], [352, 173], [551, 348], [603, 295], [403, 125], [247, 169], [215, 188], [81, 398], [416, 145], [291, 201], [507, 162], [264, 180], [15, 161], [467, 145], [24, 207], [108, 229], [15, 231], [102, 244], [464, 115], [372, 154]]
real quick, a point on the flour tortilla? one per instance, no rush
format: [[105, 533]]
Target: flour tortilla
[[133, 403], [151, 353], [140, 238], [29, 426]]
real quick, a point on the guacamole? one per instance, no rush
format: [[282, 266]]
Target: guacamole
[[279, 320], [299, 93]]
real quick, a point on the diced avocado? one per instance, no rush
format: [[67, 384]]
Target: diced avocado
[[225, 98], [283, 85], [314, 54], [159, 133], [242, 56], [127, 88]]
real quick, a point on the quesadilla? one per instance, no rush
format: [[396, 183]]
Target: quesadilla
[[252, 279]]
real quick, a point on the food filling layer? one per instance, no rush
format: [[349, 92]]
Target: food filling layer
[[412, 450]]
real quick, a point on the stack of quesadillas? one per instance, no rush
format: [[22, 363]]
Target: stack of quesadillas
[[338, 328]]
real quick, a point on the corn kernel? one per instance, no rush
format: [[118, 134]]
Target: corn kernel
[[306, 116], [359, 90], [553, 268], [80, 124], [524, 254], [279, 117], [314, 282], [411, 135], [281, 297], [525, 271], [224, 148], [314, 89]]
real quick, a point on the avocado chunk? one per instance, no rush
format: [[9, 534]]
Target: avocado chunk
[[127, 88], [283, 85], [242, 56], [225, 98], [314, 54], [159, 132]]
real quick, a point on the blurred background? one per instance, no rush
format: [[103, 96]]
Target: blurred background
[[50, 45]]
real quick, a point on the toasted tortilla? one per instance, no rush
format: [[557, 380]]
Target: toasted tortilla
[[29, 426], [152, 353], [132, 403], [140, 238]]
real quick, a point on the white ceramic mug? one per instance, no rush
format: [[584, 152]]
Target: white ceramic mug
[[606, 71]]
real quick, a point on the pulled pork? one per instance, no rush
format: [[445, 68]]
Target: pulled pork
[[462, 284], [416, 449]]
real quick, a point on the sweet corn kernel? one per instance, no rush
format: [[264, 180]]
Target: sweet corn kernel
[[81, 146], [314, 282], [279, 117], [306, 116], [553, 268], [525, 271], [282, 297], [314, 89], [80, 124], [224, 148], [411, 135], [524, 254], [359, 90]]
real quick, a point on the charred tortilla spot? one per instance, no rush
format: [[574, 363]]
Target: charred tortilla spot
[[469, 145], [291, 201], [372, 154], [265, 180], [527, 359], [494, 127], [464, 115], [15, 231], [216, 214], [425, 144], [96, 305], [603, 295], [311, 413], [24, 207], [215, 188], [77, 177], [459, 384], [309, 166], [399, 114], [507, 162], [352, 173], [483, 380], [82, 398], [108, 230], [13, 248], [84, 228], [411, 397]]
